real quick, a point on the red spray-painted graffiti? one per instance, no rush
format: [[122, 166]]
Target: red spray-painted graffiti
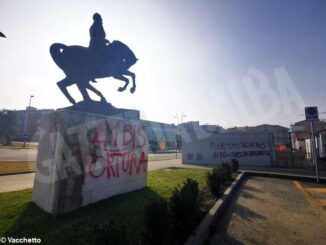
[[119, 149], [116, 162], [112, 136]]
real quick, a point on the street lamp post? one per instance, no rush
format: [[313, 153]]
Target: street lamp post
[[26, 119], [178, 130], [176, 137], [30, 102], [182, 116]]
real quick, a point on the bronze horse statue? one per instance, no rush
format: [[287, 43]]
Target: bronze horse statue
[[82, 65]]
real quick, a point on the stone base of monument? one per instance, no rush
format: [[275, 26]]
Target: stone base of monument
[[104, 108], [86, 157]]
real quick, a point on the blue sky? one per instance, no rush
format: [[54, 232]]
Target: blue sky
[[231, 63]]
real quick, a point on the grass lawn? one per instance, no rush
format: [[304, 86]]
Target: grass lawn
[[20, 217], [16, 166]]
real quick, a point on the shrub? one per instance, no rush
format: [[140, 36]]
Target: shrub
[[214, 180], [156, 221], [234, 165], [184, 209], [111, 233], [226, 172]]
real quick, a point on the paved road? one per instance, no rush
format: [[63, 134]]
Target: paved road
[[163, 156], [29, 155], [24, 181], [274, 211]]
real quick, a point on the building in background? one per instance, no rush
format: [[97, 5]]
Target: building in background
[[29, 121], [212, 128], [301, 135], [190, 126], [280, 133], [161, 136], [322, 143]]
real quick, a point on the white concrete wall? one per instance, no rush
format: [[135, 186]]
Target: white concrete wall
[[85, 157], [216, 148], [308, 148], [322, 144]]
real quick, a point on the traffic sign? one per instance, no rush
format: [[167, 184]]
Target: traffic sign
[[311, 113]]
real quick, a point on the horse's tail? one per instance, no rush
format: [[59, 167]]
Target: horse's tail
[[56, 51], [125, 52]]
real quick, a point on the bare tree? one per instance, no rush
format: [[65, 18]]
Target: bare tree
[[9, 125]]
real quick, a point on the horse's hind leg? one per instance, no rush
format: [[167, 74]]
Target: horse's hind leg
[[133, 76], [98, 93], [63, 84], [122, 78], [82, 88]]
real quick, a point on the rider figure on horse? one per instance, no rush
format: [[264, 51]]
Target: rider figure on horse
[[98, 43], [101, 59], [97, 34]]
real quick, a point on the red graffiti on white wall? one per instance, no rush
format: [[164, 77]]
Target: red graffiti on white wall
[[116, 162], [131, 136], [121, 149]]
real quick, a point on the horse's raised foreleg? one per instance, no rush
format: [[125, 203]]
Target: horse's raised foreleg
[[122, 78], [63, 84], [98, 93], [133, 76]]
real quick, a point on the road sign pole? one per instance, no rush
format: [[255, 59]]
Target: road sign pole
[[314, 156]]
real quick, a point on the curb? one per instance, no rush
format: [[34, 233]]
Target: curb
[[28, 172], [163, 159], [1, 161], [25, 172], [284, 176], [203, 230]]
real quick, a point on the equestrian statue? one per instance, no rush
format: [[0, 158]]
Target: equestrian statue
[[101, 59]]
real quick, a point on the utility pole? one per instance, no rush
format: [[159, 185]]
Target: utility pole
[[313, 148], [312, 115], [291, 149]]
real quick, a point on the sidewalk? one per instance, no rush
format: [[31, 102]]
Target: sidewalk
[[17, 182], [23, 181], [286, 171]]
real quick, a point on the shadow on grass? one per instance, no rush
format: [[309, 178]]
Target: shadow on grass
[[19, 217], [77, 227], [174, 168]]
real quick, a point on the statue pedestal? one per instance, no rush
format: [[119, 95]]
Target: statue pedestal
[[85, 157], [104, 108]]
